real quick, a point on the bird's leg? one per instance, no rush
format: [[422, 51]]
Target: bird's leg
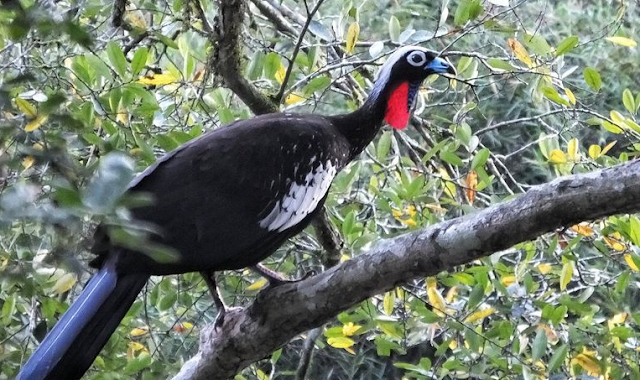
[[276, 278], [210, 279]]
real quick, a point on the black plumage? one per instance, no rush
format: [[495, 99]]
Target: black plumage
[[227, 200]]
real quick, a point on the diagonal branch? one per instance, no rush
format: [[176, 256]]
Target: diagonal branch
[[279, 314], [226, 56]]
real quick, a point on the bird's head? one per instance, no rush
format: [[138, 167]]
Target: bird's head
[[400, 78]]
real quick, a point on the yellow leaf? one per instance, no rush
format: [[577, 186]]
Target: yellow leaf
[[281, 73], [139, 331], [451, 294], [618, 319], [389, 302], [158, 79], [258, 284], [136, 18], [406, 217], [35, 123], [595, 151], [557, 157], [449, 186], [182, 327], [566, 275], [608, 147], [572, 149], [137, 346], [28, 162], [293, 99], [583, 229], [622, 41], [122, 116], [519, 51], [615, 241], [27, 108], [352, 36], [616, 117], [453, 345], [435, 298], [570, 96], [588, 361], [629, 259], [64, 283], [349, 328], [552, 336], [479, 315], [340, 342], [545, 268], [350, 350], [508, 280], [472, 185], [187, 325]]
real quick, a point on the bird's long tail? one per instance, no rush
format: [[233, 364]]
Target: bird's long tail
[[74, 342]]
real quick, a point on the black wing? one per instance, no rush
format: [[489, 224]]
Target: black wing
[[231, 197]]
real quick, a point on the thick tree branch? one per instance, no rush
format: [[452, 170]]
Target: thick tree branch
[[279, 314], [227, 55]]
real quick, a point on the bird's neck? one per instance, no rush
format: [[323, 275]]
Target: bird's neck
[[361, 126]]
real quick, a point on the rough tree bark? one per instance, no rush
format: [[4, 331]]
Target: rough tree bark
[[279, 314]]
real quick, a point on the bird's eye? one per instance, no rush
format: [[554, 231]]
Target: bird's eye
[[416, 58]]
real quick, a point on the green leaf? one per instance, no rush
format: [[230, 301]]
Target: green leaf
[[623, 282], [558, 357], [384, 145], [634, 230], [499, 64], [138, 363], [566, 275], [537, 44], [166, 40], [628, 101], [254, 70], [553, 95], [271, 65], [475, 297], [8, 309], [592, 78], [389, 302], [77, 34], [111, 180], [539, 346], [461, 15], [394, 29], [451, 158], [167, 301], [117, 58], [480, 158], [567, 45], [317, 84], [139, 60]]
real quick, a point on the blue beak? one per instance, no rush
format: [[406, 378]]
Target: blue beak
[[440, 66]]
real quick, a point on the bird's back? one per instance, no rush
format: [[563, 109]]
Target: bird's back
[[231, 197]]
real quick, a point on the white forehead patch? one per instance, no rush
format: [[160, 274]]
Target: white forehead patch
[[385, 72], [301, 199]]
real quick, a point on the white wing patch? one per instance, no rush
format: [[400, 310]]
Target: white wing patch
[[301, 199]]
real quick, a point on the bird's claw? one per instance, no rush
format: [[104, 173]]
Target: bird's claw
[[220, 318], [277, 281]]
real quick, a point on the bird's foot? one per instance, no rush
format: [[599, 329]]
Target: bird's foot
[[220, 318], [276, 279]]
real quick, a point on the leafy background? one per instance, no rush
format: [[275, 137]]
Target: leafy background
[[545, 88]]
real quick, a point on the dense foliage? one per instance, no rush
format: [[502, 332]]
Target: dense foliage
[[546, 88]]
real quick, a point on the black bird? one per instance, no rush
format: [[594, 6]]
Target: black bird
[[227, 200]]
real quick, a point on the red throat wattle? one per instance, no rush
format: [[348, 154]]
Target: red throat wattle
[[397, 114]]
